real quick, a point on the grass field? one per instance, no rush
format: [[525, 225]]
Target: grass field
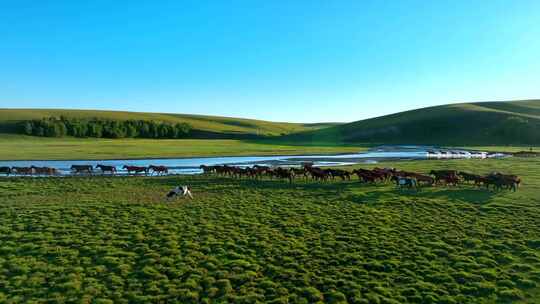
[[20, 147], [214, 124], [105, 240]]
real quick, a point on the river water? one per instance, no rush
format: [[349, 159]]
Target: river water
[[191, 165]]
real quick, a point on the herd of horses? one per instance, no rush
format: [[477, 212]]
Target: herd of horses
[[84, 169], [402, 179]]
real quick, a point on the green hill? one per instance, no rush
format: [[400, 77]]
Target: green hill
[[483, 123], [203, 126]]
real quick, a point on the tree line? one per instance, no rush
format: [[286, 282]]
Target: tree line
[[101, 128]]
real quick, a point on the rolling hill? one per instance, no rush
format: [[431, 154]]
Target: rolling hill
[[482, 123], [202, 126]]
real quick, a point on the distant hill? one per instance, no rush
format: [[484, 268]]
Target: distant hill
[[511, 122], [203, 126]]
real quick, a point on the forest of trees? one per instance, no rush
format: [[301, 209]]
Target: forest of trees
[[100, 128]]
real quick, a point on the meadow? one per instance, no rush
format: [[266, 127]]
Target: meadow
[[115, 240], [22, 147]]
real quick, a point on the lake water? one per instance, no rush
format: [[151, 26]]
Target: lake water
[[191, 165]]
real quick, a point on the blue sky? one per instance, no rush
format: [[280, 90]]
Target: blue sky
[[304, 61]]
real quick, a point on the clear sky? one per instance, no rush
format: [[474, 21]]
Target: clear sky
[[304, 61]]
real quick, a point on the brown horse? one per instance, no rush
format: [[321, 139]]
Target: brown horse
[[160, 170], [22, 170], [135, 169], [318, 173], [44, 170], [365, 175]]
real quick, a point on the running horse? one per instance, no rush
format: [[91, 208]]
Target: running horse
[[160, 170], [82, 169], [5, 170], [405, 182], [343, 174], [135, 169], [22, 170], [208, 169], [450, 177], [45, 170], [105, 169]]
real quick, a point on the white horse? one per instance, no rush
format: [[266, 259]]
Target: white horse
[[183, 191]]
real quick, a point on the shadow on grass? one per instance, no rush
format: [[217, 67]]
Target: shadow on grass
[[453, 195], [471, 195], [352, 191], [264, 183]]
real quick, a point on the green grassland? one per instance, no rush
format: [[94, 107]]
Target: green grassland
[[209, 125], [21, 147], [485, 123], [105, 240]]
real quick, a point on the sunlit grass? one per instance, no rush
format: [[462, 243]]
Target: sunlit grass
[[115, 240], [15, 147]]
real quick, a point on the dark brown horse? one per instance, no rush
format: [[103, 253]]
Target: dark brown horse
[[284, 173], [300, 172], [208, 169], [343, 174], [318, 173], [5, 170], [449, 177], [258, 171], [500, 181], [82, 169], [105, 169], [365, 176], [468, 177]]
